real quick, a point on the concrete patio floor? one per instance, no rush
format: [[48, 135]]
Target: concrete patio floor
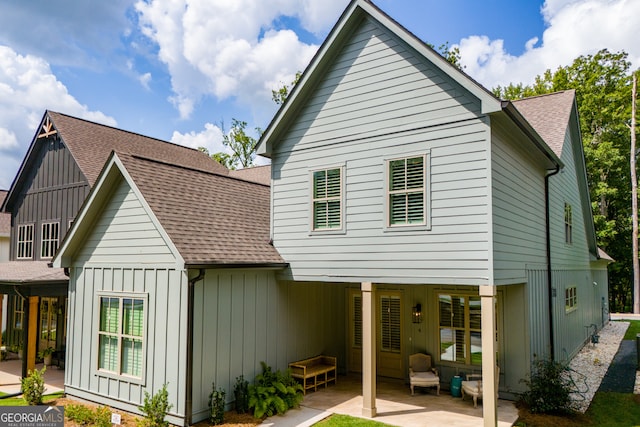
[[395, 406], [11, 372]]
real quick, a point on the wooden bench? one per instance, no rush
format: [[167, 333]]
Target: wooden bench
[[315, 371]]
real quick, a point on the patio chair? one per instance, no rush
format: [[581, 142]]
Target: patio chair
[[473, 386], [421, 373]]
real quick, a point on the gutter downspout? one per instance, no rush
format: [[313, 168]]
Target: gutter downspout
[[549, 273], [188, 404]]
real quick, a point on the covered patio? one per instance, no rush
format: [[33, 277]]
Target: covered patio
[[395, 406], [11, 372]]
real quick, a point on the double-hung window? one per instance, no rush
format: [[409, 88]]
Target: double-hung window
[[327, 199], [568, 224], [49, 239], [570, 298], [408, 191], [121, 334], [460, 321], [24, 249]]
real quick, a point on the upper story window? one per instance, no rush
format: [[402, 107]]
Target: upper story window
[[408, 191], [327, 199], [49, 239], [24, 248], [568, 224], [121, 334], [570, 298]]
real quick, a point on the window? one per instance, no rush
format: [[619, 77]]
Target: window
[[570, 298], [25, 242], [18, 312], [407, 191], [460, 329], [568, 224], [121, 335], [327, 199], [49, 239]]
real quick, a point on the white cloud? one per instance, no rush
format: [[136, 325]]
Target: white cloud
[[210, 138], [231, 48], [574, 28], [28, 88]]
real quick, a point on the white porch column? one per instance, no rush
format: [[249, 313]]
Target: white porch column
[[489, 350], [368, 349]]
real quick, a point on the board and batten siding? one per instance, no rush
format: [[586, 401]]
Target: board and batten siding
[[125, 234], [245, 317], [164, 336], [518, 206], [381, 100], [53, 190]]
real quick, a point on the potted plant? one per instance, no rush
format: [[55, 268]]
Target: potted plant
[[46, 355]]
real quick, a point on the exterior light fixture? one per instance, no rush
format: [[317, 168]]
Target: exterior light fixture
[[416, 313]]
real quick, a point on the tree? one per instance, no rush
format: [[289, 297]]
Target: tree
[[602, 84], [634, 199], [280, 95]]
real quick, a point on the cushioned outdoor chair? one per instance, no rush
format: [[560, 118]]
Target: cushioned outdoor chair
[[421, 373], [473, 386]]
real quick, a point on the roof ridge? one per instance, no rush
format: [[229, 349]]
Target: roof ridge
[[189, 168], [558, 92], [123, 130]]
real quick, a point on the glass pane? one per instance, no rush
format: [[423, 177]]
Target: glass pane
[[333, 183], [476, 348], [133, 310], [132, 357], [445, 310], [415, 172], [320, 215], [398, 208], [319, 184], [475, 314], [457, 317], [109, 315], [333, 214], [108, 353], [44, 319], [447, 347], [415, 209], [397, 175]]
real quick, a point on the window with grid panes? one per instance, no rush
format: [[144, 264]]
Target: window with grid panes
[[407, 202], [24, 249], [570, 298], [327, 199], [460, 319], [49, 239], [568, 224], [121, 335]]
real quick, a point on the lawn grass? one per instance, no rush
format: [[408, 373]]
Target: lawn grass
[[337, 420], [19, 401], [610, 409], [633, 330]]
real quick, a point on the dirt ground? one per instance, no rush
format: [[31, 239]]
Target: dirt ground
[[232, 419], [527, 419]]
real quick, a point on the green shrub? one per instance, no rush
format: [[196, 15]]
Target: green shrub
[[83, 415], [274, 393], [155, 408], [33, 387], [241, 394], [216, 405], [550, 386]]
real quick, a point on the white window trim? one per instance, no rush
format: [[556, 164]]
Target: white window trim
[[48, 242], [117, 375], [426, 225], [328, 231], [18, 241]]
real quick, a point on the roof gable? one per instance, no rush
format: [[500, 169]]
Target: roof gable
[[338, 37], [209, 219]]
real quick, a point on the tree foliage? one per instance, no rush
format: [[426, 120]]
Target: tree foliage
[[282, 93], [603, 92]]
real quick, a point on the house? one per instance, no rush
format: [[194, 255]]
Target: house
[[409, 211], [61, 165], [182, 256], [451, 222]]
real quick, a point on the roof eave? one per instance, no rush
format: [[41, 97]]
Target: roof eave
[[234, 265]]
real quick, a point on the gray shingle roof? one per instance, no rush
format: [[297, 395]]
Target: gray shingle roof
[[19, 272], [549, 115], [211, 218], [259, 174], [91, 144]]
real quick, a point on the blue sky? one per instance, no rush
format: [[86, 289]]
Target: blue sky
[[176, 70]]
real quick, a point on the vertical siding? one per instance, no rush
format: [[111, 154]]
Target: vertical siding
[[538, 303], [125, 233], [53, 190], [381, 100], [246, 317], [518, 206], [165, 338]]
